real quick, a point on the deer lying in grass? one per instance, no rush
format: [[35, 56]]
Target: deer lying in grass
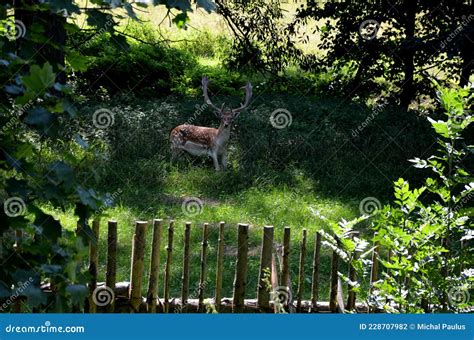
[[206, 141]]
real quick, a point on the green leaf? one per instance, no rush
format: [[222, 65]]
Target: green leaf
[[39, 79], [64, 5], [120, 42], [102, 21], [61, 173], [35, 296], [77, 61], [78, 293], [181, 19], [65, 105], [440, 127], [50, 228], [43, 120]]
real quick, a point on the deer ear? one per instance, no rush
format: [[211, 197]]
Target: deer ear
[[236, 114], [218, 114]]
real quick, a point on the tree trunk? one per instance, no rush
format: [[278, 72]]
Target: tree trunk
[[55, 52], [408, 52]]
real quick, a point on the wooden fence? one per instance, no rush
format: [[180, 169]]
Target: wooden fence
[[127, 296]]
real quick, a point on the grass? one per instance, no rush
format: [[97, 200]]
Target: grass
[[259, 206]]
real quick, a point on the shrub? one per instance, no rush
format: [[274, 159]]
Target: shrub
[[145, 69], [423, 229]]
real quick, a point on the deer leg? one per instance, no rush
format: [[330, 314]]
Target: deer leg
[[175, 152], [216, 162], [224, 160]]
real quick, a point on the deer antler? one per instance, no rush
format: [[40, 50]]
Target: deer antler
[[205, 82], [248, 96]]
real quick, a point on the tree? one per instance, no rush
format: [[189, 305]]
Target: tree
[[260, 40], [397, 40]]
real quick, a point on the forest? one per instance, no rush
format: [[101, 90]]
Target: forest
[[346, 119]]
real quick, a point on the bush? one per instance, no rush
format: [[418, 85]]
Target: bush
[[144, 69], [208, 45], [427, 230]]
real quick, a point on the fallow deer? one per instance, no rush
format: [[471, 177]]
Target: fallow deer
[[206, 141]]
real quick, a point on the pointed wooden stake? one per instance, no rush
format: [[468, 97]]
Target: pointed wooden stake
[[93, 264], [110, 277], [351, 298], [285, 271], [264, 282], [152, 294], [301, 272], [136, 273], [185, 277], [220, 265], [315, 276], [334, 283], [240, 280], [202, 278], [169, 250]]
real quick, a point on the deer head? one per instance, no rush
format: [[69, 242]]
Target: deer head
[[225, 114]]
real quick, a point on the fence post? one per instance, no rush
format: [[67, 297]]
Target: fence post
[[285, 271], [351, 297], [18, 239], [93, 264], [136, 273], [315, 276], [202, 278], [334, 283], [264, 281], [220, 265], [110, 277], [301, 272], [185, 277], [152, 294], [169, 250], [240, 280], [374, 273]]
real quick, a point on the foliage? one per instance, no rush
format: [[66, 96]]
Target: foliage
[[145, 69], [207, 44], [260, 41], [47, 253], [424, 234], [427, 269], [35, 165], [352, 248], [398, 41]]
